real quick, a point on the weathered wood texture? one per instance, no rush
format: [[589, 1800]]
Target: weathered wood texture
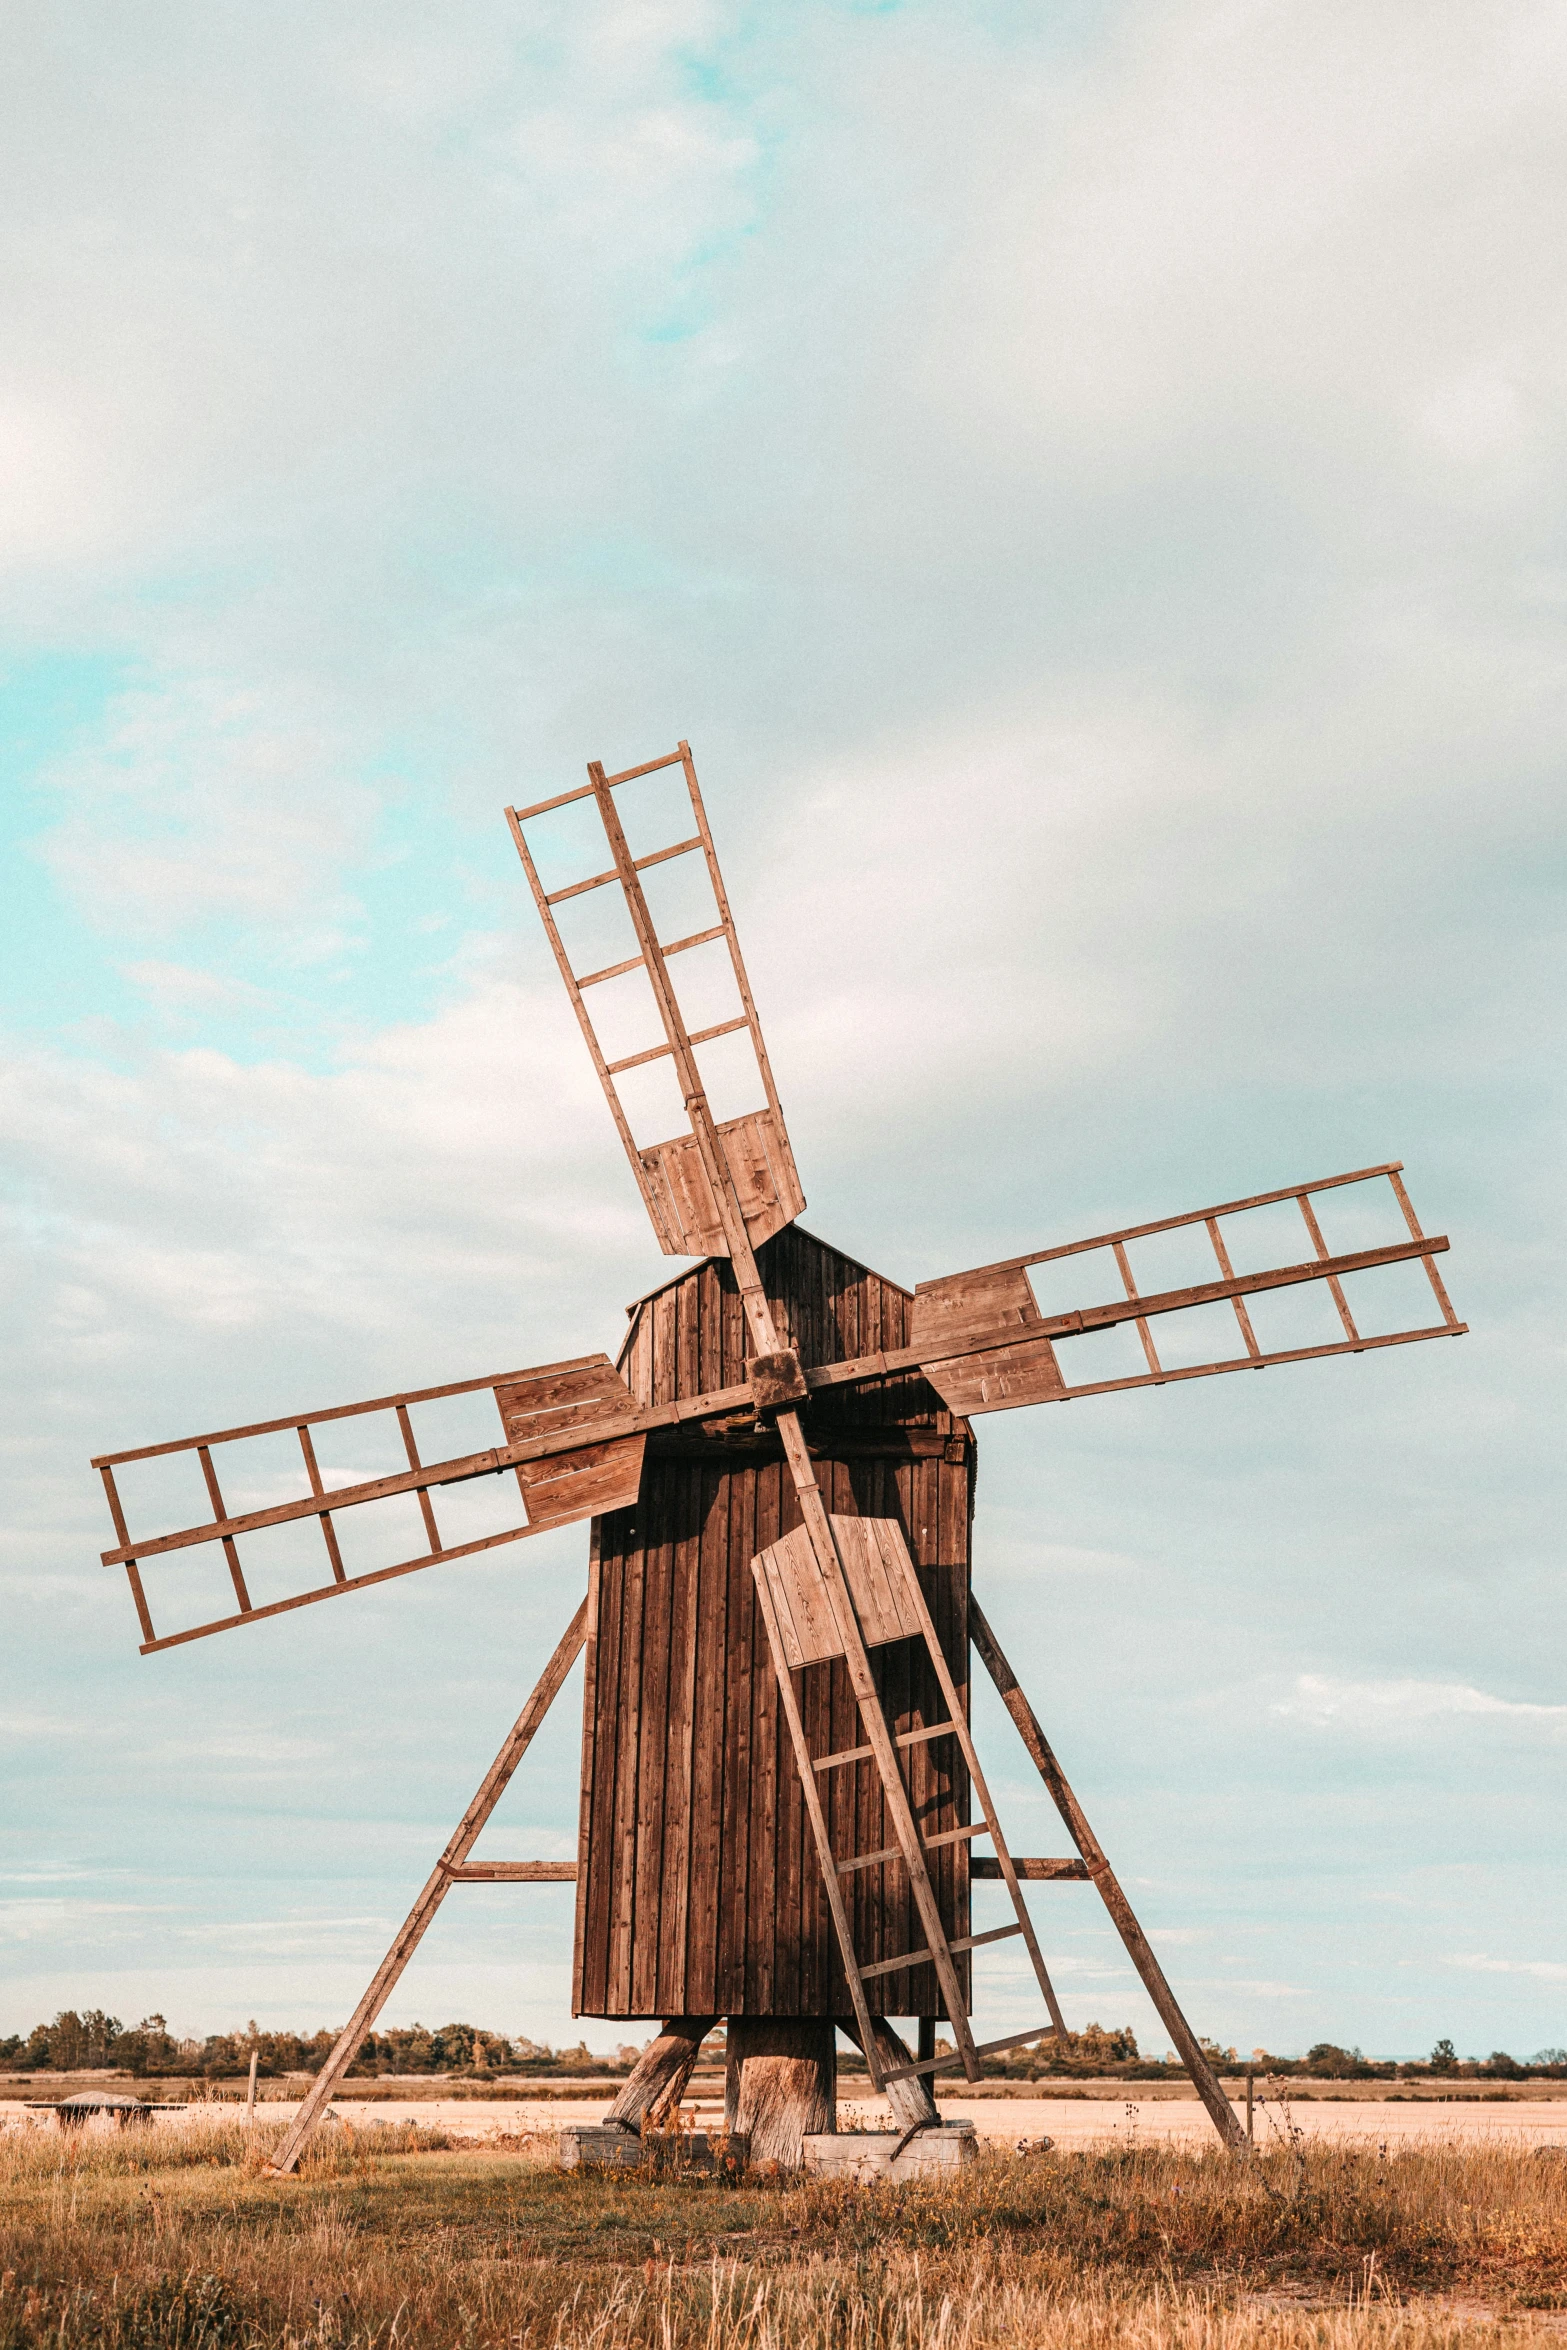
[[656, 2083], [911, 2101], [780, 2084], [699, 1891]]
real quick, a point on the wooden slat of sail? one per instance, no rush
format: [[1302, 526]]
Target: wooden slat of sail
[[1001, 1379], [581, 1484], [873, 1552], [670, 1174], [589, 1393], [757, 1149]]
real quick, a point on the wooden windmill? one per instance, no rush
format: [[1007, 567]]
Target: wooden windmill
[[781, 1798]]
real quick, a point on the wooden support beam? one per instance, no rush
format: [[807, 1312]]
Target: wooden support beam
[[656, 2083], [909, 2099], [1204, 2079], [463, 1838], [515, 1872], [780, 2084], [1037, 1872]]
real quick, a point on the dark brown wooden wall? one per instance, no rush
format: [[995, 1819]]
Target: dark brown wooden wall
[[698, 1890]]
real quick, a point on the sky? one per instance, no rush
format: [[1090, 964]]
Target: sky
[[1088, 483]]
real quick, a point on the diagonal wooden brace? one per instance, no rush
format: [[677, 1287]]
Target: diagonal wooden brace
[[463, 1839]]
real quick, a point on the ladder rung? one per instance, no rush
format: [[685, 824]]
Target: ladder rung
[[657, 1051], [698, 938], [576, 889], [943, 2064], [612, 971], [584, 791], [868, 1860], [682, 848], [830, 1762], [724, 1028], [648, 767], [891, 1966], [676, 946]]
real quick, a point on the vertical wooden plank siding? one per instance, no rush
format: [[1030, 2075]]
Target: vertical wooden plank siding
[[698, 1889], [590, 1656], [711, 1614]]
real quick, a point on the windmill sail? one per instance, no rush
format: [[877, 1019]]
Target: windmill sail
[[571, 1434], [986, 1345], [671, 1173]]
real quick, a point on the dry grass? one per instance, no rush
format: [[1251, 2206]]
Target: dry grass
[[176, 2239]]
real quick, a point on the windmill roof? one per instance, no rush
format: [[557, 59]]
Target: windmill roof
[[695, 1265]]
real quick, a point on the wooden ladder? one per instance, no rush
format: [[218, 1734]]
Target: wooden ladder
[[878, 1599]]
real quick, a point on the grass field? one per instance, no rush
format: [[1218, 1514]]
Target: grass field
[[178, 2240]]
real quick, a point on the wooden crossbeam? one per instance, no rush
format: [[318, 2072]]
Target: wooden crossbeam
[[937, 1354], [1037, 1872], [681, 848], [911, 1958], [854, 1754], [514, 1872], [947, 2064]]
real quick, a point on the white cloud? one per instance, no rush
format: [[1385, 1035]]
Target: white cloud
[[1378, 1705], [1235, 222], [1547, 1970]]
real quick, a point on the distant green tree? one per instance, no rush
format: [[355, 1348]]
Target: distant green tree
[[75, 2043], [1444, 2057], [1331, 2063]]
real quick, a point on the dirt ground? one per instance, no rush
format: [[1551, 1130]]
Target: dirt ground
[[1525, 2122]]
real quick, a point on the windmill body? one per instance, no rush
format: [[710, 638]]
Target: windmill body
[[698, 1891], [781, 1796]]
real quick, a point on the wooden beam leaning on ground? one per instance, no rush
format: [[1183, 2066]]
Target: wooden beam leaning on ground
[[447, 1870]]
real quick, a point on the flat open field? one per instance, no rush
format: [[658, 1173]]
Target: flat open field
[[1124, 2119], [175, 2238]]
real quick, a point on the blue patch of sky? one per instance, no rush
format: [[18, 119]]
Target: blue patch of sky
[[52, 969], [407, 907]]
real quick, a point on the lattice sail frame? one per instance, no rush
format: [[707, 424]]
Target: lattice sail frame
[[985, 1346], [572, 1436], [670, 1174]]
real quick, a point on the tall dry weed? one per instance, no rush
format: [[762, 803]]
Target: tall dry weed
[[179, 2240]]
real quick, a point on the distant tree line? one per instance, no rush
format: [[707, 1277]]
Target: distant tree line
[[1328, 2062], [1095, 2053], [93, 2041]]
